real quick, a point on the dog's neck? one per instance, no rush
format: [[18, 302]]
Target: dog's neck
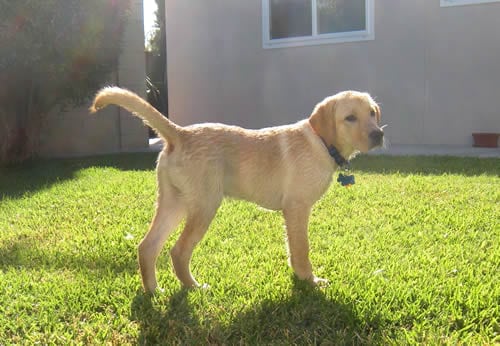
[[333, 151], [335, 154]]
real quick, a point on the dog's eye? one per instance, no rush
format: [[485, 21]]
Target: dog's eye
[[351, 118], [372, 113]]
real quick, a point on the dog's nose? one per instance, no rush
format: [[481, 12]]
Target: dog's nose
[[377, 136]]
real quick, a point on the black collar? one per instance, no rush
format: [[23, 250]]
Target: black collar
[[335, 154], [337, 157], [344, 179]]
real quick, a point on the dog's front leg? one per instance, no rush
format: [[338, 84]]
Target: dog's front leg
[[296, 221]]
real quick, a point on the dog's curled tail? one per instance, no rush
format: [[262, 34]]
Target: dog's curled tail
[[140, 108]]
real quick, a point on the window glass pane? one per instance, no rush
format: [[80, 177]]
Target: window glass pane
[[341, 16], [290, 18]]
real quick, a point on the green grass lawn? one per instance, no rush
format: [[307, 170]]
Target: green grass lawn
[[412, 252]]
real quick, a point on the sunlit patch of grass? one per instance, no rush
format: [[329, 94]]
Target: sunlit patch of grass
[[411, 252]]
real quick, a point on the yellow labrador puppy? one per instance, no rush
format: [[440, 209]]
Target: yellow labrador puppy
[[285, 168]]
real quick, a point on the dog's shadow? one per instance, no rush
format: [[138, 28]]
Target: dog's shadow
[[160, 325], [305, 316]]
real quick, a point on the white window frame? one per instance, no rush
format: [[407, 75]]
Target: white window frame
[[449, 3], [315, 39]]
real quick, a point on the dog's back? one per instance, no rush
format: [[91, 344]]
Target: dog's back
[[254, 165]]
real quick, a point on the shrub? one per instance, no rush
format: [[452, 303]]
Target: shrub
[[53, 53]]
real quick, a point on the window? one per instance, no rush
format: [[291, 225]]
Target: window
[[289, 23], [446, 3]]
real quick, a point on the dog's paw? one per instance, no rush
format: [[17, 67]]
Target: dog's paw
[[319, 282], [200, 286], [155, 292], [197, 286]]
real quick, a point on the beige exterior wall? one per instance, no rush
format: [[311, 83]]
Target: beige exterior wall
[[435, 70], [112, 130]]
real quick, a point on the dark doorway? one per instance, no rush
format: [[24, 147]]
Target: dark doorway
[[156, 63]]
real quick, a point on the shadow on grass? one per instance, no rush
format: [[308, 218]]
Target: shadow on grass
[[33, 176], [427, 165], [24, 252], [306, 316], [174, 324]]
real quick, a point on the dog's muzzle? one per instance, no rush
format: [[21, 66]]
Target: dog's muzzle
[[376, 138]]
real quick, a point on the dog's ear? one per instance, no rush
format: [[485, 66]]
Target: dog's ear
[[322, 120]]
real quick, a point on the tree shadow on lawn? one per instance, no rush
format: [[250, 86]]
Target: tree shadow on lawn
[[427, 165], [306, 316], [33, 176], [36, 175], [24, 253]]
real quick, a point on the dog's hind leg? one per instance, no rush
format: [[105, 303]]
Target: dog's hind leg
[[197, 223], [169, 213]]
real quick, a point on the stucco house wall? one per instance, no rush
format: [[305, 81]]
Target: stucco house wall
[[433, 68], [112, 130]]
